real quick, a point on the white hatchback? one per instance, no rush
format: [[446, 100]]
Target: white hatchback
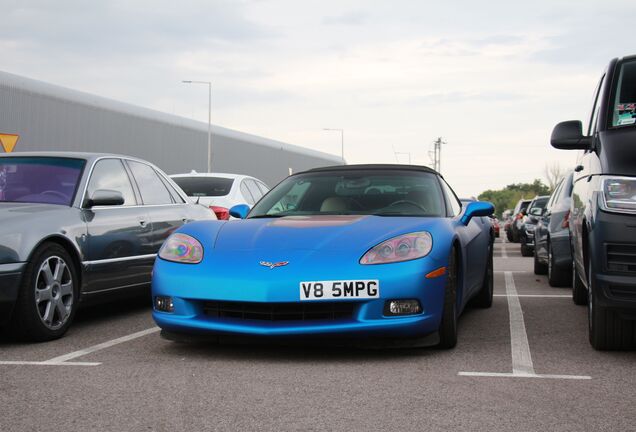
[[221, 191]]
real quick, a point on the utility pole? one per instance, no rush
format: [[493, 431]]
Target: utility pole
[[436, 154]]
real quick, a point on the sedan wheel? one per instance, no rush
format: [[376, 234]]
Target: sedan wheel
[[47, 299]]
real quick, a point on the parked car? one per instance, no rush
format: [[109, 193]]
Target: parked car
[[495, 226], [552, 254], [517, 222], [220, 191], [354, 251], [526, 234], [603, 214], [78, 227]]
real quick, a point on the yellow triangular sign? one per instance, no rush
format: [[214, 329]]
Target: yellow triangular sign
[[8, 141]]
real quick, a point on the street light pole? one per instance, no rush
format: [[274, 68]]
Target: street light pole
[[209, 83], [341, 141]]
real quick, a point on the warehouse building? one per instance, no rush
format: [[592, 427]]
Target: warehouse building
[[35, 116]]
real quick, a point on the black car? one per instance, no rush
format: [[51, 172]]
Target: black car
[[78, 227], [552, 254], [603, 217], [517, 219], [526, 232]]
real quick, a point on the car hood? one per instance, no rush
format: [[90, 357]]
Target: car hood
[[316, 232]]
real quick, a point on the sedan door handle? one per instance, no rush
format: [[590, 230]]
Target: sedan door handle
[[143, 223]]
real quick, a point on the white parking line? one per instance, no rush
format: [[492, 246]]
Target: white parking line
[[522, 366], [504, 251], [63, 360]]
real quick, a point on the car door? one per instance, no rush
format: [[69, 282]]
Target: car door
[[119, 250], [166, 209]]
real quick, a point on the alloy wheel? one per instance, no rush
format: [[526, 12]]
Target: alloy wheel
[[54, 292]]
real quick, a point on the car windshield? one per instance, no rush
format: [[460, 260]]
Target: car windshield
[[357, 192], [624, 109], [47, 180], [204, 186]]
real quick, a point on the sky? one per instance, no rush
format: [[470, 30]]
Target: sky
[[491, 78]]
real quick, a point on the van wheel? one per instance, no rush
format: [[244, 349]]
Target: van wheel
[[47, 299], [579, 293]]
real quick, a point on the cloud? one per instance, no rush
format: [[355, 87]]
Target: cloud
[[355, 18]]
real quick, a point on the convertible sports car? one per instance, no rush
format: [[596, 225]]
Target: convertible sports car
[[370, 253]]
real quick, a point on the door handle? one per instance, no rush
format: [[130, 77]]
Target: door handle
[[578, 168], [143, 223]]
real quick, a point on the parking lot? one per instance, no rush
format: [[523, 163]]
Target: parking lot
[[524, 364]]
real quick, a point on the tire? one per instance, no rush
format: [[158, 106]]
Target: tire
[[448, 325], [579, 292], [525, 250], [607, 331], [539, 267], [509, 235], [557, 277], [483, 299], [48, 296]]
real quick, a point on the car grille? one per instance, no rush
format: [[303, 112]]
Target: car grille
[[621, 257], [326, 311]]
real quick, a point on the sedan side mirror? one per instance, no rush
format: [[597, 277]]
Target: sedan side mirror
[[240, 211], [568, 135], [477, 208], [105, 197]]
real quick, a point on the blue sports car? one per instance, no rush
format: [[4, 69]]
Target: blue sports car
[[370, 253]]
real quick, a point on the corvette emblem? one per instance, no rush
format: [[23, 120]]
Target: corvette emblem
[[273, 265]]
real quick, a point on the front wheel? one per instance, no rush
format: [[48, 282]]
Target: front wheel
[[448, 326], [47, 300]]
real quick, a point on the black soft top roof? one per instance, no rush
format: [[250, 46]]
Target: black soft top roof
[[369, 167]]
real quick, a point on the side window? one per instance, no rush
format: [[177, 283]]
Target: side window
[[152, 189], [595, 107], [246, 193], [110, 174], [455, 205], [175, 196], [253, 187]]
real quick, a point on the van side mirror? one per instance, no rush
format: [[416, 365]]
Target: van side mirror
[[568, 135], [477, 208], [240, 211]]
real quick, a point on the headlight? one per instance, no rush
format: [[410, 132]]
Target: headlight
[[182, 248], [401, 248], [619, 194]]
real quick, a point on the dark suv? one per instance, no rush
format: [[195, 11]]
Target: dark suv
[[603, 216], [526, 233]]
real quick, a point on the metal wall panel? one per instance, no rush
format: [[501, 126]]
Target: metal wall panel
[[52, 118]]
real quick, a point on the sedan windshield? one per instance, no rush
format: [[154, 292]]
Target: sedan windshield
[[47, 180], [376, 192]]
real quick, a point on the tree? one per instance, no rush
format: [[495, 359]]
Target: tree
[[553, 173], [507, 197]]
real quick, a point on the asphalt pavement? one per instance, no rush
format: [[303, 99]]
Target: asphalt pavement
[[523, 365]]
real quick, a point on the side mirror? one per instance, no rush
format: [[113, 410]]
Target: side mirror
[[568, 135], [240, 211], [105, 197], [477, 208]]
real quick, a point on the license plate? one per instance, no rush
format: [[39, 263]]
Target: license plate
[[343, 289]]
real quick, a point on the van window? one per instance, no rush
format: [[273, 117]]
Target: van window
[[624, 107]]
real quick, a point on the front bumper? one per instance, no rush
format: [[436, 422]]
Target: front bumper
[[397, 281], [10, 278], [612, 250]]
